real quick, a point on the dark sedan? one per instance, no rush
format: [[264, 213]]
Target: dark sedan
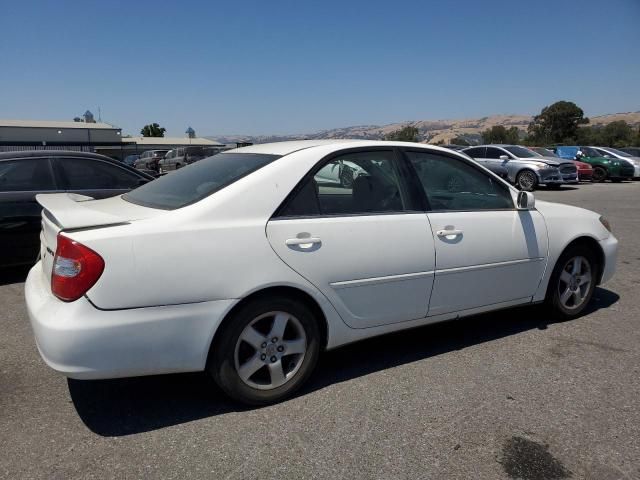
[[25, 174]]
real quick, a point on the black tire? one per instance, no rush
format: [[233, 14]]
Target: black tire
[[527, 180], [553, 298], [221, 364], [599, 175], [177, 166]]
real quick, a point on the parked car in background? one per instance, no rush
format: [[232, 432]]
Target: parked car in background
[[25, 174], [609, 152], [280, 267], [526, 169], [585, 171], [181, 157], [131, 159], [149, 160], [635, 151], [453, 146], [603, 168]]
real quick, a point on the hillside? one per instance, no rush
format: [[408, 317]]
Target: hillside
[[431, 131]]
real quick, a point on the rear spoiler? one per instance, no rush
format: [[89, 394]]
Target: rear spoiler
[[68, 212]]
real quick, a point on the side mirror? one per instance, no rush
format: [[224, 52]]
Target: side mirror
[[504, 157], [526, 201]]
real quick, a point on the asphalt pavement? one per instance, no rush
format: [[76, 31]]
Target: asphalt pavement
[[501, 395]]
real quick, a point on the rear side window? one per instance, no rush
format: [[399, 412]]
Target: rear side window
[[350, 184], [197, 181], [452, 184], [33, 174], [87, 174]]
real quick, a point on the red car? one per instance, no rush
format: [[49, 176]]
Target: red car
[[585, 171]]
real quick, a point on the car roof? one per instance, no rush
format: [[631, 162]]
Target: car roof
[[52, 153], [288, 147], [68, 153]]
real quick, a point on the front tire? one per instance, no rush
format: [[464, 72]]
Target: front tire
[[266, 350], [527, 180], [599, 175], [572, 282]]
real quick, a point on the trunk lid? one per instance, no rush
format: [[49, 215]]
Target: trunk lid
[[70, 211]]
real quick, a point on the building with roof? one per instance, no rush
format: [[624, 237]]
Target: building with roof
[[52, 134], [88, 136]]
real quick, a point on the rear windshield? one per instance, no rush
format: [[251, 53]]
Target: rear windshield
[[197, 181]]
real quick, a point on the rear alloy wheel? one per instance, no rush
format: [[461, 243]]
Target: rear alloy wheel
[[266, 350], [599, 175], [573, 282], [527, 180]]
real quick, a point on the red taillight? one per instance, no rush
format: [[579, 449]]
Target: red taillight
[[76, 269]]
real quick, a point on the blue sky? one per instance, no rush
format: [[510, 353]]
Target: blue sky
[[261, 67]]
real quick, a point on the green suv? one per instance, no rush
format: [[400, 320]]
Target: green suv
[[603, 168]]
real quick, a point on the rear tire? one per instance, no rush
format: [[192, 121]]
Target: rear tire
[[266, 350], [572, 282]]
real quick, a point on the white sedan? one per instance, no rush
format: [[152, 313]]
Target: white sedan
[[247, 264]]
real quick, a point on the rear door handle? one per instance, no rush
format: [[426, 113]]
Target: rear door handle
[[302, 241], [449, 233]]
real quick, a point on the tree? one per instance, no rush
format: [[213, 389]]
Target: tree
[[499, 134], [460, 141], [153, 130], [406, 134], [617, 134], [557, 123]]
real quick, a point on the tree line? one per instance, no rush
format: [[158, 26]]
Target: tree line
[[560, 123]]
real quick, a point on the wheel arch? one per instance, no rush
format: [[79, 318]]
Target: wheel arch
[[277, 290], [593, 245]]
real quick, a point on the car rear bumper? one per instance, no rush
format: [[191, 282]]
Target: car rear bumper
[[610, 249], [83, 342]]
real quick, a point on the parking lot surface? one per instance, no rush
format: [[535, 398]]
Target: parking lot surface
[[502, 395]]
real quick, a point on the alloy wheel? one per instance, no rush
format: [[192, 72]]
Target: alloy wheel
[[527, 181], [270, 350], [574, 282]]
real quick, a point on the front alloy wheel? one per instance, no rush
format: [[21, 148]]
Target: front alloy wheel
[[573, 281], [265, 350], [527, 180]]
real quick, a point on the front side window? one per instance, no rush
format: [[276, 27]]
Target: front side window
[[477, 152], [590, 152], [350, 184], [495, 153], [189, 185], [29, 174], [451, 184], [88, 174]]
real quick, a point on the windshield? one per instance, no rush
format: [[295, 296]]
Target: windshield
[[617, 152], [197, 181], [544, 152], [521, 152]]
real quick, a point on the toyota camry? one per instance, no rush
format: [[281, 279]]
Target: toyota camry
[[250, 263]]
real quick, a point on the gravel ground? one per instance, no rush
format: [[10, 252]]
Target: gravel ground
[[502, 395]]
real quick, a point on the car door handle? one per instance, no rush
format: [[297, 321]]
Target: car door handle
[[449, 233], [302, 241]]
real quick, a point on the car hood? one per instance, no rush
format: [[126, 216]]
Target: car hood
[[553, 162]]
